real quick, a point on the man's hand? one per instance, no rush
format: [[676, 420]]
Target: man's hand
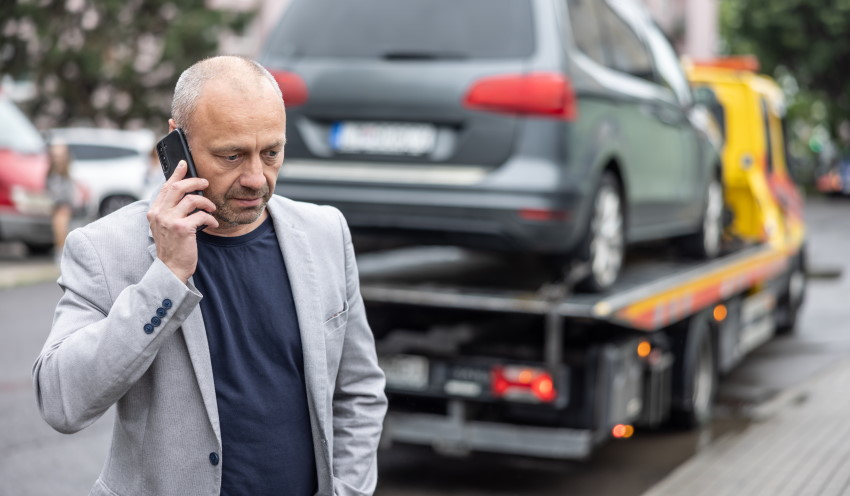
[[173, 224]]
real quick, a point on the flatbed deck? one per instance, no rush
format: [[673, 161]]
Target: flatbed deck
[[649, 294]]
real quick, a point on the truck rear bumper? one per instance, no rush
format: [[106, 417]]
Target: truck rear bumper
[[453, 435]]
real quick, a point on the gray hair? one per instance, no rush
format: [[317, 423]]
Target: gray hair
[[191, 82]]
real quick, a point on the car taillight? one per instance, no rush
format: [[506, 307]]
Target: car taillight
[[522, 384], [544, 94], [5, 195], [292, 86], [544, 215]]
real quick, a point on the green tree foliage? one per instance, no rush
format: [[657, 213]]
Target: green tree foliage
[[107, 62], [804, 44]]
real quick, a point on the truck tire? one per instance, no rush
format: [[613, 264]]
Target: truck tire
[[707, 242], [792, 297], [695, 373], [604, 245], [39, 248]]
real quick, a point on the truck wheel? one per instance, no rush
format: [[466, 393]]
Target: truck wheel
[[707, 242], [604, 245], [788, 307], [695, 378]]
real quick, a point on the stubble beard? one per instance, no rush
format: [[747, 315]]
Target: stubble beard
[[226, 213]]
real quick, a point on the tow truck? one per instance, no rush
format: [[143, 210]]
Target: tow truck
[[486, 355]]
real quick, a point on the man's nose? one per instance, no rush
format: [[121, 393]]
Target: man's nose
[[252, 176]]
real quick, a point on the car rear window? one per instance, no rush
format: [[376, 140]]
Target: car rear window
[[100, 152], [16, 131], [394, 29]]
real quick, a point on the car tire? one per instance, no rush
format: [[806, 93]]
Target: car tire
[[695, 376], [113, 203], [604, 245], [708, 242], [39, 248], [792, 297]]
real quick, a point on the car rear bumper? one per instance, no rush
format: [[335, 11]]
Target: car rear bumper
[[27, 228], [476, 218]]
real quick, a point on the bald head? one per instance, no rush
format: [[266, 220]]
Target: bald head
[[240, 74]]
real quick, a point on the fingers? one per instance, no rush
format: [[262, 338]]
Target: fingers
[[190, 203], [201, 218], [178, 186]]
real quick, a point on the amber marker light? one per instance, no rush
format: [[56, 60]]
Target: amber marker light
[[644, 349], [720, 313], [623, 431]]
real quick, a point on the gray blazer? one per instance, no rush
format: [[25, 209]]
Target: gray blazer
[[166, 438]]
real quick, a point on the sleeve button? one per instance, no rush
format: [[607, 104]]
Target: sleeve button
[[214, 458], [148, 329], [156, 321], [166, 303], [160, 312]]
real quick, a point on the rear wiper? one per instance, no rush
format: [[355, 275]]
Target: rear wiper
[[423, 55]]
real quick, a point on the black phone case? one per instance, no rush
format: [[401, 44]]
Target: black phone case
[[171, 150]]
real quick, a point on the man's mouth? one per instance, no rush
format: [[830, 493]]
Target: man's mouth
[[248, 202]]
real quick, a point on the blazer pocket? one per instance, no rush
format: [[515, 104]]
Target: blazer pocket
[[336, 321]]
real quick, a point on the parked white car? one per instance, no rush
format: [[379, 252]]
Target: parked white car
[[115, 165]]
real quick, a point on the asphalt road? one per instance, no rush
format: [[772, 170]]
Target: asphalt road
[[34, 460]]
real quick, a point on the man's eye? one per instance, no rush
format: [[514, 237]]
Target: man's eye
[[273, 153], [231, 158]]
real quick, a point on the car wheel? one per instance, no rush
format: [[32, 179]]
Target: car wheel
[[39, 248], [707, 243], [113, 203], [793, 295], [604, 246]]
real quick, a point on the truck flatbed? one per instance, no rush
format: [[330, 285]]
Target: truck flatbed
[[649, 295]]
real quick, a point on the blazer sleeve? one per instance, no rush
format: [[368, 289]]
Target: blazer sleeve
[[99, 346], [359, 402]]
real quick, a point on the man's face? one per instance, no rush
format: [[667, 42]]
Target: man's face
[[236, 138]]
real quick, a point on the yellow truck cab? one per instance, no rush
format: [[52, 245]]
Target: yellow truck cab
[[765, 203]]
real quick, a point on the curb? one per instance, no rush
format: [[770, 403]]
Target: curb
[[22, 274]]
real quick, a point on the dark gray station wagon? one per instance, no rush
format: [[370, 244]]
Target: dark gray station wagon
[[553, 127]]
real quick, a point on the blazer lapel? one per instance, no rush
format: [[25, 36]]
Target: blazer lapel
[[305, 291], [195, 335]]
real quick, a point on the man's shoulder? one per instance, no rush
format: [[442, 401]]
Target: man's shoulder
[[306, 216], [128, 225]]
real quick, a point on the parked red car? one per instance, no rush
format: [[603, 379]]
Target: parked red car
[[24, 205]]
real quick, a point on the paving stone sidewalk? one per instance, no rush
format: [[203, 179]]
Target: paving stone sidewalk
[[802, 448]]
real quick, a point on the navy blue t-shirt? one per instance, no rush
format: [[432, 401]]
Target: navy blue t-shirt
[[257, 363]]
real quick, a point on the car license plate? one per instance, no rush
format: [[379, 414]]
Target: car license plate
[[31, 203], [383, 138], [405, 372]]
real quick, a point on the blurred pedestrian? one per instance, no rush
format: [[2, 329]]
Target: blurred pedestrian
[[240, 358], [61, 189]]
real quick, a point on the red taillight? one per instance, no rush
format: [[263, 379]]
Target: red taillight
[[523, 384], [542, 94], [543, 215], [294, 88]]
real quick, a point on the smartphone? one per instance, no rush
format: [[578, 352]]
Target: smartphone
[[171, 150]]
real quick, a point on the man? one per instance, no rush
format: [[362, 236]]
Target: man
[[239, 358]]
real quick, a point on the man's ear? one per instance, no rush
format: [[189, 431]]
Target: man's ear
[[171, 125]]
